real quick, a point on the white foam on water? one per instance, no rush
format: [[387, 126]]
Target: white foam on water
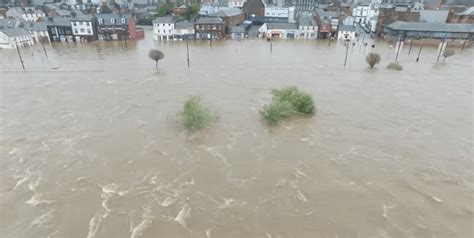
[[437, 199], [94, 223], [21, 179], [182, 215], [13, 151], [80, 179], [42, 222], [144, 224], [230, 202], [213, 152], [36, 199], [208, 233], [301, 196], [168, 201]]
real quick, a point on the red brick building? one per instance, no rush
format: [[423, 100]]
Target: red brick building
[[389, 15]]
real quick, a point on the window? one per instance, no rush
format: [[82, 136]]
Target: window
[[82, 30], [112, 20], [101, 20], [89, 31], [124, 20], [170, 31], [81, 23], [75, 31], [88, 24], [74, 23], [159, 31]]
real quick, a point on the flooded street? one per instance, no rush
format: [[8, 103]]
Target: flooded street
[[94, 148]]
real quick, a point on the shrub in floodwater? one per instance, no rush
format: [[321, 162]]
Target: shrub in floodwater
[[300, 101], [447, 53], [195, 114], [372, 59], [395, 66], [276, 111], [286, 101]]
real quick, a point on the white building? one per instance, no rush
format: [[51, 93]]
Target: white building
[[10, 38], [277, 12], [84, 27], [308, 28], [27, 14], [163, 28], [237, 3], [346, 32], [38, 31], [360, 12], [279, 30]]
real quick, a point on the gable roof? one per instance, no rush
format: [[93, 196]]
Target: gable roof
[[439, 16], [431, 27], [83, 18], [108, 16], [305, 20], [184, 25], [59, 21], [228, 12], [4, 23], [209, 20], [346, 28], [15, 32], [163, 20], [36, 26]]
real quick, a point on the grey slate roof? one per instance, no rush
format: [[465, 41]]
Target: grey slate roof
[[327, 14], [4, 23], [431, 27], [36, 26], [237, 30], [439, 16], [15, 32], [228, 12], [304, 20], [209, 20], [107, 16], [62, 12], [346, 28], [163, 20], [281, 26], [469, 11], [87, 17], [59, 21], [184, 25]]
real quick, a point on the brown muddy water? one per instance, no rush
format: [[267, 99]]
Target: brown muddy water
[[94, 148]]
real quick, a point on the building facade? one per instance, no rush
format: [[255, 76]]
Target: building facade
[[84, 27], [163, 28], [10, 38], [209, 28], [231, 17], [346, 32], [60, 30], [113, 26]]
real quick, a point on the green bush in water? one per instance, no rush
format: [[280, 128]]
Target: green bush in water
[[195, 114], [285, 102], [395, 66], [300, 101], [276, 111]]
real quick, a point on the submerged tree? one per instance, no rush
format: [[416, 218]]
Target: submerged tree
[[447, 53], [156, 55], [195, 114], [372, 59]]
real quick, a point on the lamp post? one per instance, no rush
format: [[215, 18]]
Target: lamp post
[[19, 55], [347, 51]]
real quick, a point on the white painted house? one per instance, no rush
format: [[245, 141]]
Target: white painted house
[[10, 38], [346, 32], [237, 3], [163, 28], [360, 12], [84, 27], [27, 14], [279, 30], [38, 31], [276, 11], [308, 28]]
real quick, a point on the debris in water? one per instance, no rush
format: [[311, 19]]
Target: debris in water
[[437, 199]]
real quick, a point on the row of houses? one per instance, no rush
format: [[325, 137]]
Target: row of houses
[[107, 26]]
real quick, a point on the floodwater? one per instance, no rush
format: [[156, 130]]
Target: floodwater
[[93, 148]]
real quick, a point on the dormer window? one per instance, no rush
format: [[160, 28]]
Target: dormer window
[[124, 20], [101, 20], [112, 20]]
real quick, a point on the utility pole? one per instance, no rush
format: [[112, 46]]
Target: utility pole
[[419, 52], [19, 55], [411, 45], [187, 49], [463, 45], [44, 49], [271, 44], [125, 41], [347, 51]]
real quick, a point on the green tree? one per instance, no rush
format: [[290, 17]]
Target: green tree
[[193, 11], [163, 9]]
